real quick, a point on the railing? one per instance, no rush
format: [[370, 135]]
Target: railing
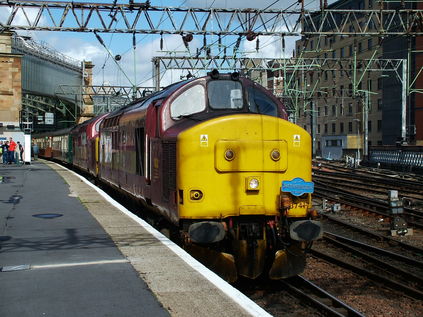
[[410, 159]]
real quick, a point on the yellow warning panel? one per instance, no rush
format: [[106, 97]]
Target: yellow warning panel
[[204, 140], [296, 140]]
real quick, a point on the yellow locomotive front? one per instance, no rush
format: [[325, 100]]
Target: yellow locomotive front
[[244, 194]]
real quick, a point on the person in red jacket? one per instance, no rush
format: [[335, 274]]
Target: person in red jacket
[[12, 148]]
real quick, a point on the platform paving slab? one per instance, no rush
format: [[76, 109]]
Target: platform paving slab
[[64, 265]]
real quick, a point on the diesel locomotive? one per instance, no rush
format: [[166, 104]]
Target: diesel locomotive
[[217, 158]]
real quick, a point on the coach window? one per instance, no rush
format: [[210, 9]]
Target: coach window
[[192, 100], [259, 102]]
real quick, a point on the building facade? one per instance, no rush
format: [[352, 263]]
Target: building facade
[[353, 88]]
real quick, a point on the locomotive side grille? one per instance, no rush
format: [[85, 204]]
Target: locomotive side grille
[[168, 169]]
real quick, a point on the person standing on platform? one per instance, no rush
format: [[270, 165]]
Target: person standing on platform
[[1, 151], [20, 148], [12, 148], [5, 152], [35, 151]]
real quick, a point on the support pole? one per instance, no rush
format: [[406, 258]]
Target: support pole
[[366, 125], [156, 74], [313, 128], [404, 99]]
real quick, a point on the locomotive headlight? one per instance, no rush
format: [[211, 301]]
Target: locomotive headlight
[[253, 183], [229, 154], [275, 155]]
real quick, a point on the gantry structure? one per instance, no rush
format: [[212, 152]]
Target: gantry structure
[[380, 21], [143, 18]]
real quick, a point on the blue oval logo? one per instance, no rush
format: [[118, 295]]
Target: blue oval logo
[[297, 186]]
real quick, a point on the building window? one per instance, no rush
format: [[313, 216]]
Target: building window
[[369, 84], [379, 83], [369, 126], [333, 54], [379, 125], [341, 107], [334, 143], [360, 47], [379, 143], [305, 127], [341, 127], [351, 50], [369, 43], [379, 104], [311, 44], [318, 128], [326, 75], [333, 128], [326, 111], [334, 110], [342, 52], [326, 128], [350, 127], [350, 109], [318, 111]]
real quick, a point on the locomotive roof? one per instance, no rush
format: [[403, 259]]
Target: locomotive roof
[[138, 102]]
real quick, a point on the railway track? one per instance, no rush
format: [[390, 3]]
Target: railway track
[[336, 226], [398, 271], [371, 274], [413, 196], [334, 193], [369, 172], [318, 298]]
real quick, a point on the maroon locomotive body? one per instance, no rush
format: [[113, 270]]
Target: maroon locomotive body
[[217, 158]]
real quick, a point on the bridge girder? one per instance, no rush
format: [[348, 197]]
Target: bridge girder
[[146, 19]]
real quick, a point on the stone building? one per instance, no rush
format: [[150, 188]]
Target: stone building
[[10, 90]]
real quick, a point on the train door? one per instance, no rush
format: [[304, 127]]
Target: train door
[[140, 151], [151, 133]]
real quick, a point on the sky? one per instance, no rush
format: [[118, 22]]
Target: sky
[[138, 67]]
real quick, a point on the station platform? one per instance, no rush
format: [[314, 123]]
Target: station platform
[[68, 249]]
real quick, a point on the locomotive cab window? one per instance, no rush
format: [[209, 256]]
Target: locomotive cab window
[[225, 94], [192, 100], [258, 102]]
